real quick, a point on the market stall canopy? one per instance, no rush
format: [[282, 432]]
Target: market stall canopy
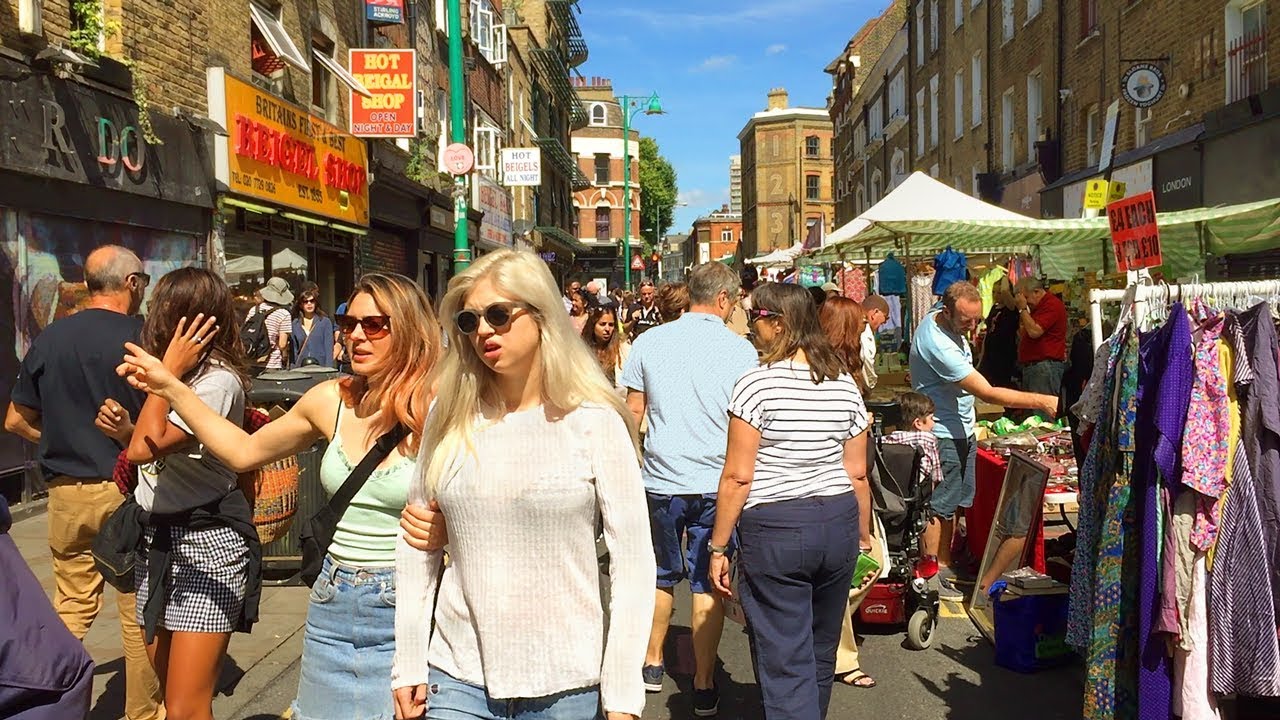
[[919, 197], [781, 257], [1065, 246], [238, 268]]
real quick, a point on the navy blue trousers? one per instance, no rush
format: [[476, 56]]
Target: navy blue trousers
[[797, 560]]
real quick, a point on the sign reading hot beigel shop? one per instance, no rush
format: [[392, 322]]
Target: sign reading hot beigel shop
[[282, 154]]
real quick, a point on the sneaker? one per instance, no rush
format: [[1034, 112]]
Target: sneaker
[[706, 703], [652, 678], [946, 587]]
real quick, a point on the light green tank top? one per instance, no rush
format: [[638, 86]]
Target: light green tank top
[[367, 533]]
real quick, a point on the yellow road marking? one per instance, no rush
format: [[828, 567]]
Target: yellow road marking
[[952, 609], [287, 714]]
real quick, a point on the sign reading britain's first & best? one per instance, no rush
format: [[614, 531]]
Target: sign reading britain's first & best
[[282, 154]]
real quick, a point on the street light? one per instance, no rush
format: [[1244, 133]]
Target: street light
[[630, 106]]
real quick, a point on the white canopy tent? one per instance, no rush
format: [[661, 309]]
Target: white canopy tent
[[238, 268], [780, 257], [919, 197]]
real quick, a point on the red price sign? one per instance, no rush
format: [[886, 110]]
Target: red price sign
[[1134, 234]]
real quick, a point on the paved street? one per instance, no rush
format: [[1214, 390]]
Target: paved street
[[956, 679]]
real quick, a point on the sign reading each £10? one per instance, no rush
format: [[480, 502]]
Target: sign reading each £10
[[1134, 233], [390, 76]]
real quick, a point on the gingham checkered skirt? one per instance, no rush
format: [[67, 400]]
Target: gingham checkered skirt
[[206, 583]]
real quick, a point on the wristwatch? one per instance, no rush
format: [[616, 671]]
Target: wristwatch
[[717, 549]]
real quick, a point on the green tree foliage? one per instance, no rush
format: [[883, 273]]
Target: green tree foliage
[[658, 190]]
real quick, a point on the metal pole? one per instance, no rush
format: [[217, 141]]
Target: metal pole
[[626, 192], [458, 134]]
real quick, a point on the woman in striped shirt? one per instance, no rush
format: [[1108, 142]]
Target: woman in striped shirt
[[794, 477]]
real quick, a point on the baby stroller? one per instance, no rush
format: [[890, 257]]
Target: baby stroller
[[901, 497]]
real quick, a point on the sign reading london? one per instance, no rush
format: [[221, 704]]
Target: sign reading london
[[282, 154], [391, 109]]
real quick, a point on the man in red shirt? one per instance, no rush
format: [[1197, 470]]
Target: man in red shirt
[[1042, 335]]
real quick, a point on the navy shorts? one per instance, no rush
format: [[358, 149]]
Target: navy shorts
[[681, 527]]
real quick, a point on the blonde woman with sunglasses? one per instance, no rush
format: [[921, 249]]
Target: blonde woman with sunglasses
[[528, 453], [392, 338]]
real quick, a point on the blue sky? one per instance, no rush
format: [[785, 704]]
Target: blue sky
[[713, 62]]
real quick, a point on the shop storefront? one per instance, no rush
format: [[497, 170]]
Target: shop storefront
[[79, 168], [294, 193]]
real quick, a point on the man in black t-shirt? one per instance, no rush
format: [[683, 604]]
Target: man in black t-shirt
[[644, 314], [68, 373]]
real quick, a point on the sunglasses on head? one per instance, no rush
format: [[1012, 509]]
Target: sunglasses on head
[[374, 326], [498, 315], [755, 314]]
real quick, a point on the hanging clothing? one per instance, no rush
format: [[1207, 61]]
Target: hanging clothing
[[1192, 699], [1262, 411], [892, 276], [853, 284], [949, 266], [894, 321], [1112, 673], [922, 298], [1205, 439], [987, 287]]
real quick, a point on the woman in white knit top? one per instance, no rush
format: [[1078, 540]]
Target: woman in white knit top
[[527, 452]]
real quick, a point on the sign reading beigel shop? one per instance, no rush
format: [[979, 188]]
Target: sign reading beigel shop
[[279, 153], [390, 111]]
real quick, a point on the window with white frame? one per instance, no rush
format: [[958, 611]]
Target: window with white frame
[[958, 102], [270, 45], [1093, 138], [920, 122], [1246, 48], [919, 33], [897, 95], [933, 25], [488, 140], [1141, 126], [933, 111], [1008, 20], [1007, 131], [975, 90], [812, 146], [1035, 112], [488, 33], [442, 17], [958, 10], [875, 118], [897, 167], [1033, 9], [598, 114], [726, 235]]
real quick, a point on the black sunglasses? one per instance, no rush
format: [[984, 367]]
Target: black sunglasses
[[498, 315], [755, 314], [374, 326]]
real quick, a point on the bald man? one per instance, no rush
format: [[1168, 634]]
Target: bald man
[[65, 377]]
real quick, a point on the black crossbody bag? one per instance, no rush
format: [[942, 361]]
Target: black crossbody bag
[[317, 533]]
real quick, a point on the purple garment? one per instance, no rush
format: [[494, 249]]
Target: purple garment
[[1164, 392]]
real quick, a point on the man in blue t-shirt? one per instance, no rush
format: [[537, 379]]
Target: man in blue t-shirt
[[679, 378], [942, 369]]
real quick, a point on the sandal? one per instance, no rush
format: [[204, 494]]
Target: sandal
[[858, 679]]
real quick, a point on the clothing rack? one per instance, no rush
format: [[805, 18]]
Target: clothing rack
[[1141, 294]]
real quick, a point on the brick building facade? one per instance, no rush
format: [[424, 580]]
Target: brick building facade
[[787, 175]]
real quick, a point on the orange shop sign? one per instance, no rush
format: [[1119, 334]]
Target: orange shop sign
[[391, 77], [280, 153]]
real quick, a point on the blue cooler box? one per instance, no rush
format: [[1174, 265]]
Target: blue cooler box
[[1031, 632]]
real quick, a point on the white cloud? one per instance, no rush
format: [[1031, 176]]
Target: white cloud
[[702, 200], [775, 49], [715, 62]]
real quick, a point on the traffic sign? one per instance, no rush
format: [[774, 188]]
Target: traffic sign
[[458, 159], [637, 263], [1135, 235]]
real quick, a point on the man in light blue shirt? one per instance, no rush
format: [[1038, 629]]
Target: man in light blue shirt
[[942, 369], [679, 377]]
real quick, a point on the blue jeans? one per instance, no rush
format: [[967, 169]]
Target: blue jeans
[[1044, 377], [449, 698], [958, 458], [673, 520], [348, 645], [797, 561]]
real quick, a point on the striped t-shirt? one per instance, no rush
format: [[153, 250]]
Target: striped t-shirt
[[803, 428]]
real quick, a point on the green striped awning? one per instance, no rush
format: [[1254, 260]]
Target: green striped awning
[[1066, 246]]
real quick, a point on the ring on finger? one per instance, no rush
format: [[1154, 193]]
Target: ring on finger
[[199, 339]]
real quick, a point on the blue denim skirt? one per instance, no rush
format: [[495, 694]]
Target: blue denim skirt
[[348, 645]]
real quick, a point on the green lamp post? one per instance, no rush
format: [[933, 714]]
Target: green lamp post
[[458, 133], [630, 106]]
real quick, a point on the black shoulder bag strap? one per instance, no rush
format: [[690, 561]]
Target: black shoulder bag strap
[[316, 534]]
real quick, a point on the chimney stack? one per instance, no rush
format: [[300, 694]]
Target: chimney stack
[[778, 99]]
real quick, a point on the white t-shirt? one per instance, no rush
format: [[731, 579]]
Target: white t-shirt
[[803, 428], [187, 480], [868, 342]]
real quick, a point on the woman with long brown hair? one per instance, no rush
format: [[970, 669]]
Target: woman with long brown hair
[[602, 336], [842, 321], [197, 568], [793, 484], [393, 341]]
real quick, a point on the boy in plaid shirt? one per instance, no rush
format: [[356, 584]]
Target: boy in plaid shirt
[[917, 415]]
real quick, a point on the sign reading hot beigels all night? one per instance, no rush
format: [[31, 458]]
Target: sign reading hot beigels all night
[[280, 153]]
